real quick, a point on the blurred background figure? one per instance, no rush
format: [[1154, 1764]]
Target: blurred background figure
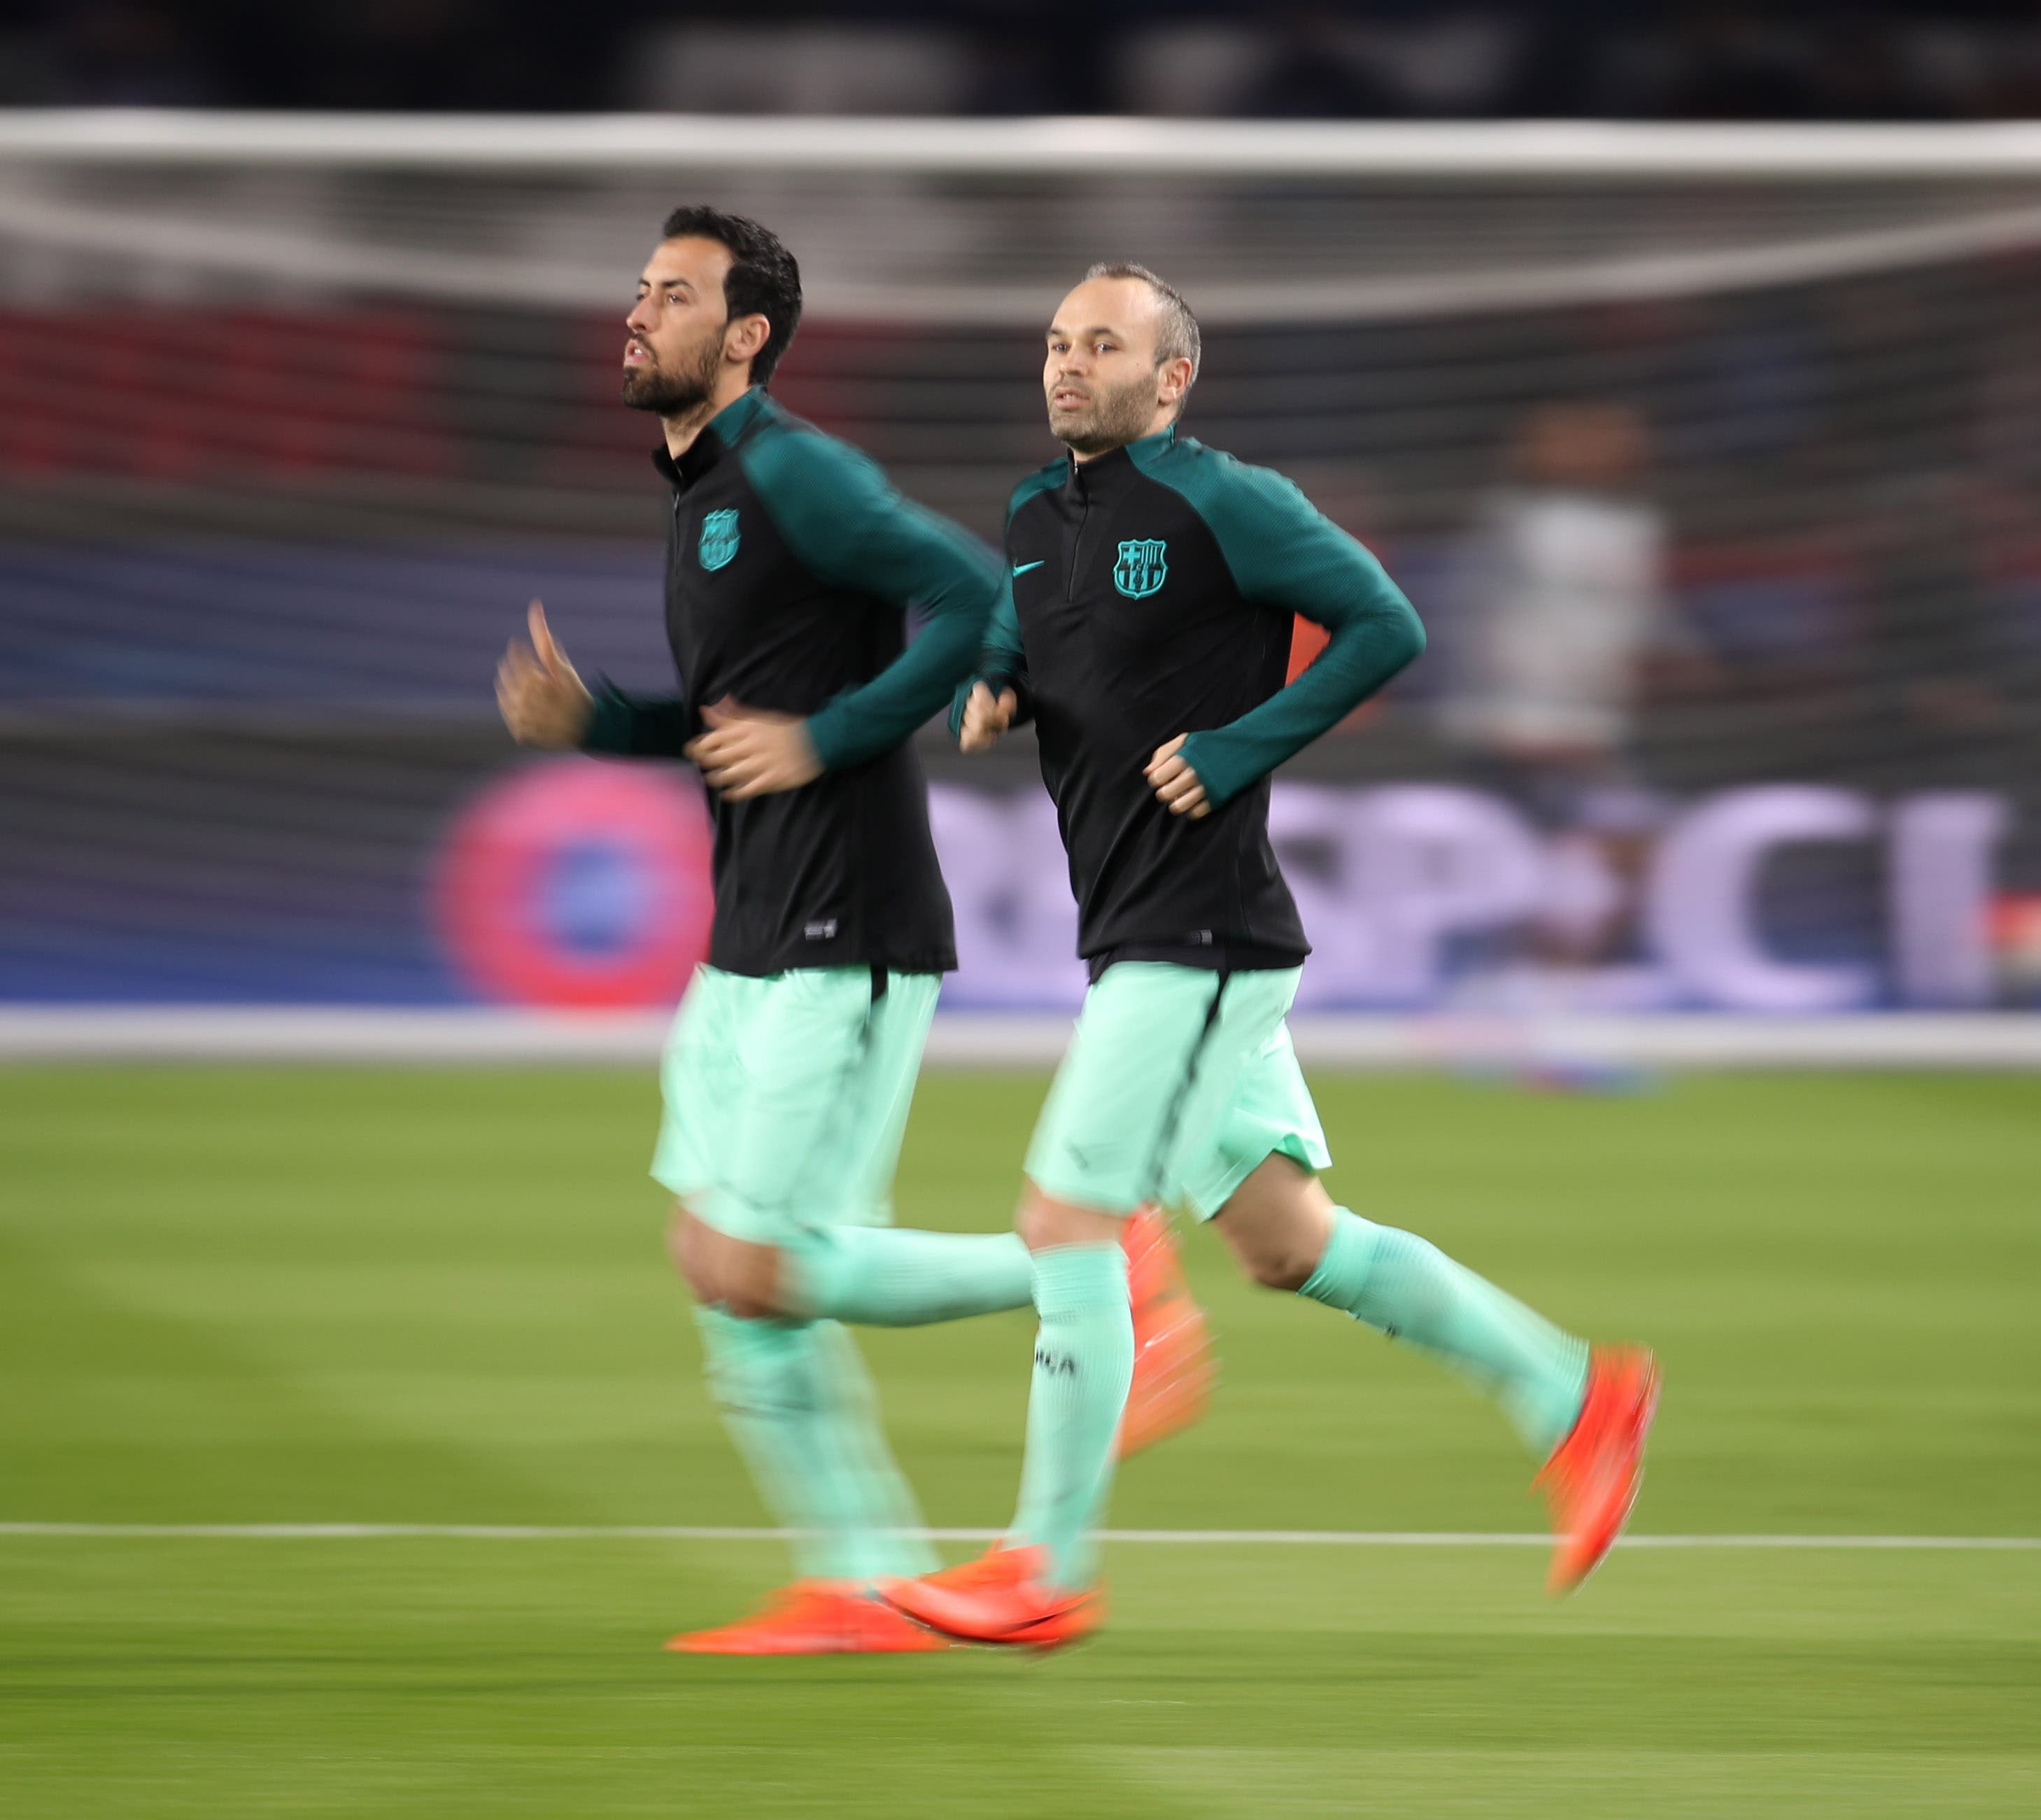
[[1564, 623]]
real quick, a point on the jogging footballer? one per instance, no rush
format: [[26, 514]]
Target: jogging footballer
[[1145, 630], [791, 567]]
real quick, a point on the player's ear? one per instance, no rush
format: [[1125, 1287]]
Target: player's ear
[[745, 338], [1174, 381]]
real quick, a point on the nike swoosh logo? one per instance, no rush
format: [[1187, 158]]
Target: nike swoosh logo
[[1022, 568]]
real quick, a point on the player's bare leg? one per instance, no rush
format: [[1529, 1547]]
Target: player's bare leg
[[1585, 1413]]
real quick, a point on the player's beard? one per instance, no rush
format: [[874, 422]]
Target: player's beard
[[1110, 420], [674, 393]]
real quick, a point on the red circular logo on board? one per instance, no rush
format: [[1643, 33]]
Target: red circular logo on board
[[577, 883]]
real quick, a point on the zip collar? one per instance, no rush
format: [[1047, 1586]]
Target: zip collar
[[1087, 479], [722, 433]]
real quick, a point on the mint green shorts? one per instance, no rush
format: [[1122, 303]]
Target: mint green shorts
[[786, 1096], [1177, 1084]]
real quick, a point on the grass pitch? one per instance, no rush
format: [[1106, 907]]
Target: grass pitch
[[315, 1296]]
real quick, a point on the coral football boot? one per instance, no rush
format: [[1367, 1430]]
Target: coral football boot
[[1591, 1480], [1173, 1370], [813, 1618], [1000, 1598]]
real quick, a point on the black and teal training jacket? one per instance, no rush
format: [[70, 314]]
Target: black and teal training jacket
[[791, 566], [1151, 592]]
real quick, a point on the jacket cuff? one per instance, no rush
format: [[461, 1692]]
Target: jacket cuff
[[611, 722]]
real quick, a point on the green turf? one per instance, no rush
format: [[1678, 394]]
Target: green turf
[[295, 1295]]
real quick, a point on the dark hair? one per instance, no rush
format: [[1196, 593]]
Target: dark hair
[[1177, 337], [763, 280]]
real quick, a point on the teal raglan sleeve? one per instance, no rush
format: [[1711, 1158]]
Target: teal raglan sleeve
[[843, 519], [1286, 554], [1002, 662]]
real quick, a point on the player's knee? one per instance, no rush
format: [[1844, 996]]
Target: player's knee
[[1287, 1267], [747, 1307], [1274, 1255], [1045, 1223], [742, 1279], [684, 1251], [1276, 1225]]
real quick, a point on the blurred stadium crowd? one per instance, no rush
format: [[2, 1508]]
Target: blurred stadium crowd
[[1904, 60]]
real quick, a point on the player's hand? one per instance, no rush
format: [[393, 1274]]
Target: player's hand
[[986, 716], [544, 703], [750, 752], [1175, 784]]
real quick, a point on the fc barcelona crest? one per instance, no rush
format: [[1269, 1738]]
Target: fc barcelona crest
[[719, 539], [1143, 566]]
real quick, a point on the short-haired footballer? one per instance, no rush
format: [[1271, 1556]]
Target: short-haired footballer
[[791, 567], [1152, 588]]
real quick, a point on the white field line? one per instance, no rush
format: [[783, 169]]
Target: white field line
[[687, 1533]]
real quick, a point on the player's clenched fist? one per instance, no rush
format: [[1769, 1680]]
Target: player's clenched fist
[[986, 716], [751, 752], [1175, 784], [544, 703]]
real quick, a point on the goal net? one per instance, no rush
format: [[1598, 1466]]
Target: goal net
[[1711, 458]]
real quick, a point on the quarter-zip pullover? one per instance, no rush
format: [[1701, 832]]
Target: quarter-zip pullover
[[1150, 592], [791, 564]]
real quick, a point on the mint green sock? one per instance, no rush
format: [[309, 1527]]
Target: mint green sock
[[1411, 1291], [884, 1277], [795, 1398], [1084, 1363]]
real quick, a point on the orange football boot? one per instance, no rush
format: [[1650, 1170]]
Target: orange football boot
[[1174, 1370], [1000, 1598], [1591, 1480], [813, 1618]]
